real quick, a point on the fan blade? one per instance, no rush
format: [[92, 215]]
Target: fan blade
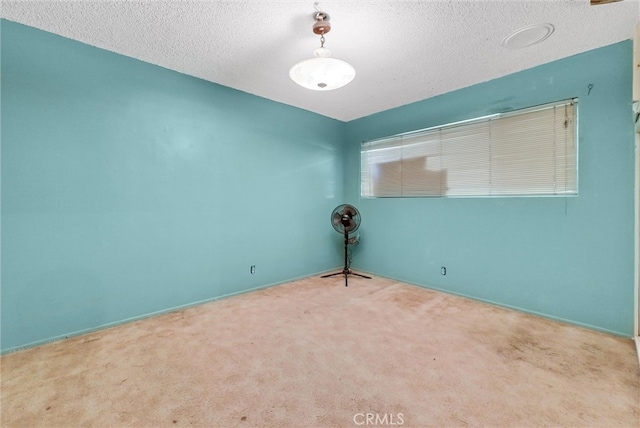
[[352, 225], [597, 2], [337, 219], [350, 211]]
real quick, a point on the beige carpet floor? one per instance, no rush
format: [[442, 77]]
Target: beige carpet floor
[[312, 353]]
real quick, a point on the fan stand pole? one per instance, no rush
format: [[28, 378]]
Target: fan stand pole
[[346, 271]]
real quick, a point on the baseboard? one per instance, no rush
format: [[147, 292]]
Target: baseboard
[[637, 339], [149, 314], [505, 305]]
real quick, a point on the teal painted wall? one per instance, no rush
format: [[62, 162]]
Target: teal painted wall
[[567, 258], [129, 189]]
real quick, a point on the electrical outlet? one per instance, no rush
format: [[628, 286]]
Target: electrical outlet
[[253, 269], [443, 270]]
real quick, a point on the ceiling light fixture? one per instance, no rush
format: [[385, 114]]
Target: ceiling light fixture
[[528, 36], [322, 73]]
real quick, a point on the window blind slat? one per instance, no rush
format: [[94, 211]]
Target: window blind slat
[[529, 152]]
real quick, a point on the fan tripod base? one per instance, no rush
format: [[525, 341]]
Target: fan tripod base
[[346, 273]]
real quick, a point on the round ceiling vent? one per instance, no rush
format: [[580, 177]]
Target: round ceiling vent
[[528, 36]]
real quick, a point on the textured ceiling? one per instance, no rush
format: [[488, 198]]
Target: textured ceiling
[[403, 51]]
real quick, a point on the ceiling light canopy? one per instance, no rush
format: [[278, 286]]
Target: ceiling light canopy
[[322, 73]]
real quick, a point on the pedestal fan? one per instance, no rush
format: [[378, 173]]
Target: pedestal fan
[[345, 219]]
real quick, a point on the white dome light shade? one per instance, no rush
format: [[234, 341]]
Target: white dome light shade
[[322, 74]]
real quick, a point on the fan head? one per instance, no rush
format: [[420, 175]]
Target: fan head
[[345, 218]]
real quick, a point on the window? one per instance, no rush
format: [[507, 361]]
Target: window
[[525, 152]]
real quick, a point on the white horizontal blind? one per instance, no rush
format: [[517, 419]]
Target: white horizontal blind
[[527, 152]]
